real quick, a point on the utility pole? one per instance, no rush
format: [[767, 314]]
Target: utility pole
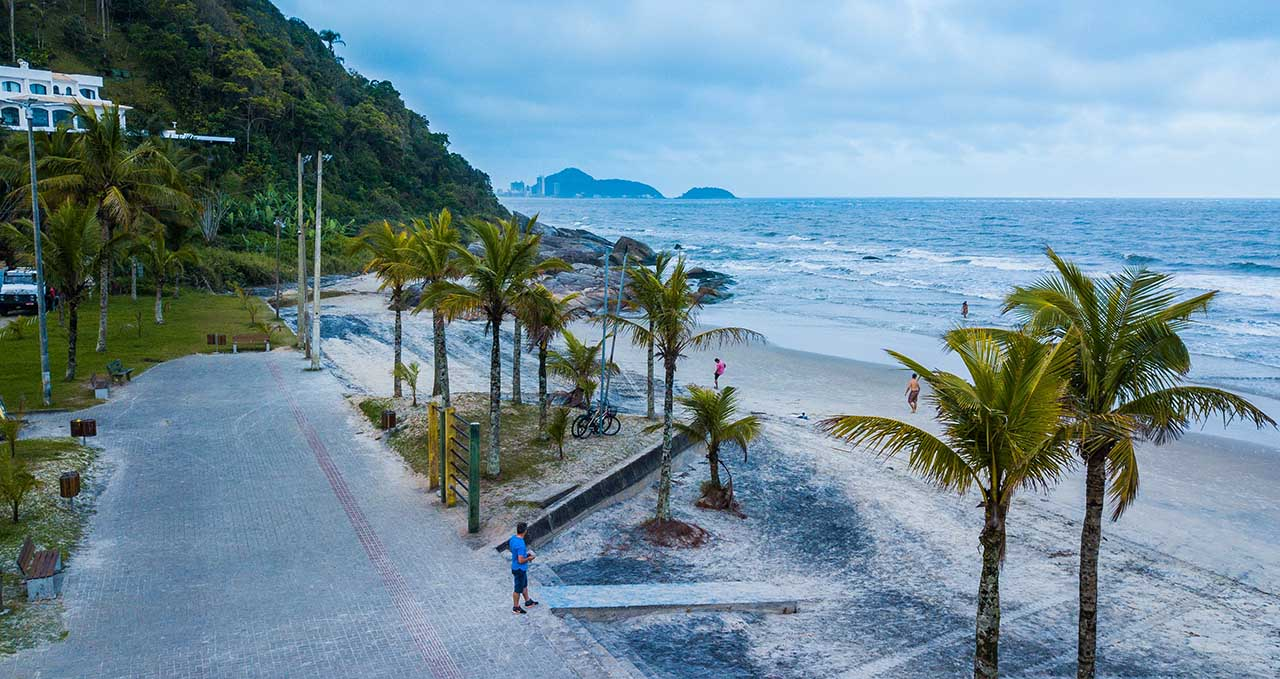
[[302, 265], [604, 327], [315, 304], [279, 225], [45, 380]]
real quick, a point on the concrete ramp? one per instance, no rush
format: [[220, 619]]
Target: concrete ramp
[[609, 601]]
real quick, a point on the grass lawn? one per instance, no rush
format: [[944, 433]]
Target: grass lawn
[[523, 455], [132, 337], [52, 524]]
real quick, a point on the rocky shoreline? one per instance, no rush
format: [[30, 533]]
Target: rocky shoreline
[[585, 252]]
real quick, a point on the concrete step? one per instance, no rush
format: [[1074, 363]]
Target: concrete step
[[609, 601]]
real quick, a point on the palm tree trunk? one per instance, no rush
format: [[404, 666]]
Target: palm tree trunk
[[649, 393], [104, 292], [395, 369], [495, 398], [713, 458], [986, 654], [515, 365], [73, 324], [159, 301], [441, 359], [664, 474], [133, 279], [1095, 487], [542, 390]]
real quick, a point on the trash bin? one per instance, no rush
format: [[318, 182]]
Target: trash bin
[[69, 484], [388, 419]]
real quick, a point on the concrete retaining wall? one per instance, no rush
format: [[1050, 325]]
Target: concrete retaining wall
[[618, 483]]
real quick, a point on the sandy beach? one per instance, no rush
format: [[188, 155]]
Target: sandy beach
[[1191, 574]]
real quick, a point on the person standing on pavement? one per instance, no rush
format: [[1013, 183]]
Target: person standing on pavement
[[521, 555]]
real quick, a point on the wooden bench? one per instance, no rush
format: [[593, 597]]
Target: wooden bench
[[118, 372], [250, 339], [41, 570]]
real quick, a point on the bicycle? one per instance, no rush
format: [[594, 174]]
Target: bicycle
[[596, 421]]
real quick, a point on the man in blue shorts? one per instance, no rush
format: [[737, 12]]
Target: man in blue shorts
[[520, 558]]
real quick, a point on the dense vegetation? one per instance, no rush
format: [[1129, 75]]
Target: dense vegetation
[[240, 68]]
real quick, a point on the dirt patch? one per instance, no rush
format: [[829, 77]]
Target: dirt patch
[[674, 533], [719, 498]]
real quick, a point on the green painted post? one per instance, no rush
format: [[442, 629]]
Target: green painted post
[[444, 456], [473, 480]]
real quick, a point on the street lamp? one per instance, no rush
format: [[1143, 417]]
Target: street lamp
[[279, 225], [315, 304], [302, 264], [45, 380]]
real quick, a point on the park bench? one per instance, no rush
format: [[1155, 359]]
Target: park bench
[[118, 372], [41, 570], [250, 339]]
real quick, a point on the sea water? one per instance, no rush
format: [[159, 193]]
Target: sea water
[[850, 277]]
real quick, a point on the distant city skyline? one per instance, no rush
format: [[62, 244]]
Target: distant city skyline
[[911, 98]]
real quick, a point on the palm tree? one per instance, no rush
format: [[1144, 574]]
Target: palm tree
[[11, 427], [661, 260], [409, 373], [1127, 384], [1002, 432], [498, 277], [103, 168], [331, 38], [15, 483], [432, 257], [165, 263], [710, 414], [516, 342], [388, 252], [559, 425], [580, 364], [546, 316], [72, 252], [673, 317]]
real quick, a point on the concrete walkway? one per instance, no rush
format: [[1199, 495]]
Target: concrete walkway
[[249, 530]]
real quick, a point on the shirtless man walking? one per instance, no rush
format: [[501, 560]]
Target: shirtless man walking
[[913, 391]]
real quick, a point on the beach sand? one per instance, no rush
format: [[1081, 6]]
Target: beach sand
[[1190, 575]]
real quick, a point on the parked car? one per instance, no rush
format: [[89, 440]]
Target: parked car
[[18, 291]]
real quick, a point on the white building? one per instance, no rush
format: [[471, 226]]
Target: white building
[[51, 95]]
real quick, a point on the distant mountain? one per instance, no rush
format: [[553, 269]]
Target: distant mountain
[[574, 183], [707, 193]]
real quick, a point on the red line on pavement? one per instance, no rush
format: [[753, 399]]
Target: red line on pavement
[[411, 612]]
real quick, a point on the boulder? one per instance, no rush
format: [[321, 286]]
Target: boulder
[[633, 250]]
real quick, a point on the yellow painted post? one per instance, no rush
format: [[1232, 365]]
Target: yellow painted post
[[450, 492], [433, 446]]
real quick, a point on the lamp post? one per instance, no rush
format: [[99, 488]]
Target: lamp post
[[279, 225], [315, 304], [45, 380], [302, 264]]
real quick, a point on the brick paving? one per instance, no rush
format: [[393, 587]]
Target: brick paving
[[248, 530]]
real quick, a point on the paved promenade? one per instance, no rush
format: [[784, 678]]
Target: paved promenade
[[249, 530]]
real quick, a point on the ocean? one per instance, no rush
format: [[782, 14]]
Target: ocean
[[850, 277]]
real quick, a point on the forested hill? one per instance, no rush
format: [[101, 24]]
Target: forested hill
[[241, 68]]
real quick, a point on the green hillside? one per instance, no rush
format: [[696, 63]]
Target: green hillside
[[240, 68]]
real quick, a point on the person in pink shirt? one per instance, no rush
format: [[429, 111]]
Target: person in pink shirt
[[720, 366]]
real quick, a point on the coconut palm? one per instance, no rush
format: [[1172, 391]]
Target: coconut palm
[[557, 428], [72, 252], [578, 363], [546, 316], [1003, 431], [710, 420], [106, 169], [1127, 384], [503, 271], [638, 301], [164, 263], [409, 373], [11, 426], [387, 249], [673, 317], [15, 483], [432, 257], [516, 323]]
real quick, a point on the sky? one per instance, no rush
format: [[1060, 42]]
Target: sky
[[854, 98]]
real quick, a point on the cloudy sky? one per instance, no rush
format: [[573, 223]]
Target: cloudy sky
[[911, 98]]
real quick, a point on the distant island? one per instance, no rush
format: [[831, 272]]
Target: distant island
[[574, 183], [707, 193]]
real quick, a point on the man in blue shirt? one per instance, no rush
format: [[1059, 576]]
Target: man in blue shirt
[[520, 558]]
